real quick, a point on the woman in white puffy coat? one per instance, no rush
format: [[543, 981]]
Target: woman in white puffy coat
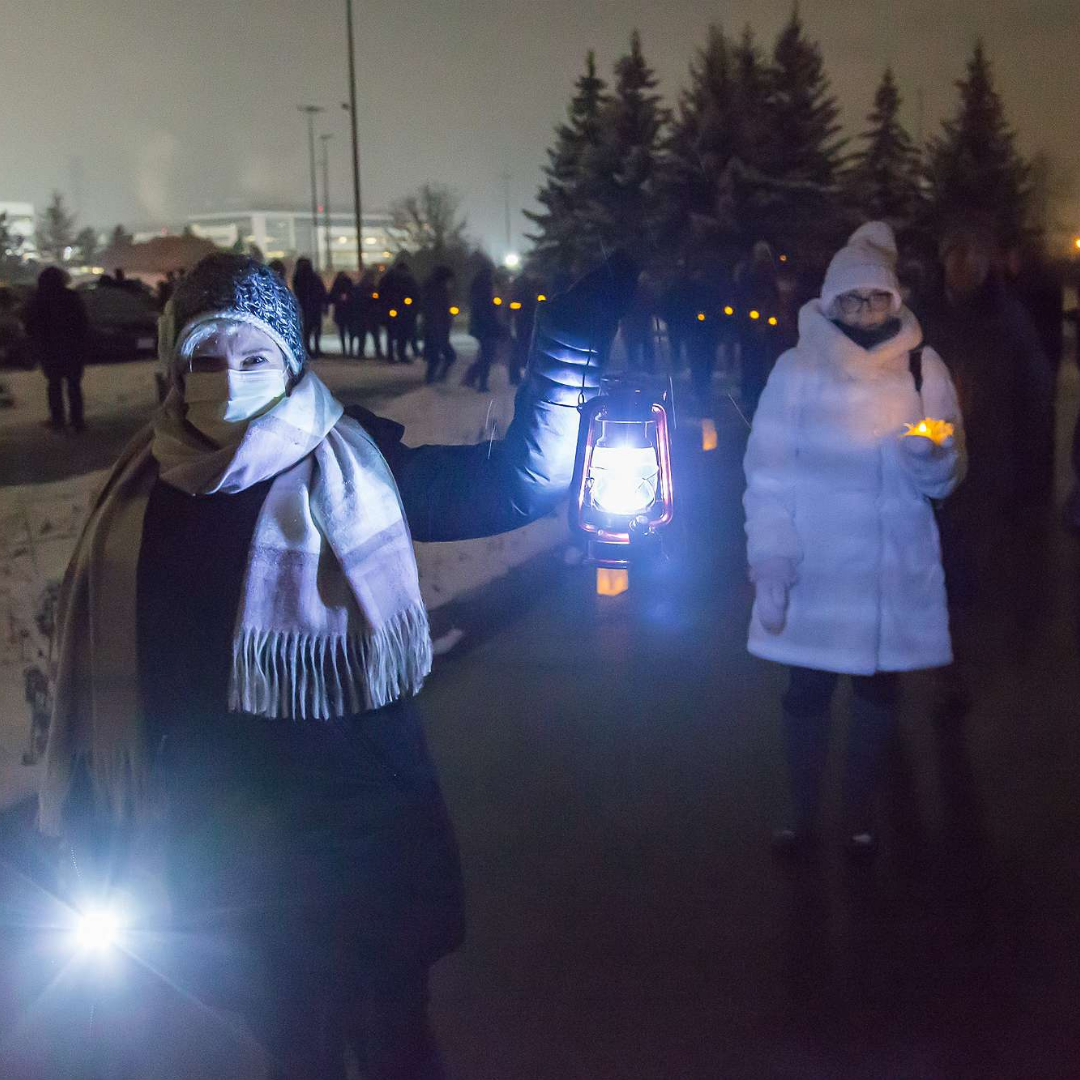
[[842, 543]]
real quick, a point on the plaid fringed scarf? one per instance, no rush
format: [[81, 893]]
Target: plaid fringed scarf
[[331, 621]]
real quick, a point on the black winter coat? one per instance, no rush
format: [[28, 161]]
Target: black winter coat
[[58, 327], [331, 837]]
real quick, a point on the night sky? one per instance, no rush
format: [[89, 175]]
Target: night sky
[[142, 112]]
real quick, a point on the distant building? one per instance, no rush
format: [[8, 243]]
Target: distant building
[[21, 222], [287, 234]]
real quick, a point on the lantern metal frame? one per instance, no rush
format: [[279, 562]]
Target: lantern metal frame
[[614, 539]]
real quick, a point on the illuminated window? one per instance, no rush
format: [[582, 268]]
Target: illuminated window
[[515, 306]]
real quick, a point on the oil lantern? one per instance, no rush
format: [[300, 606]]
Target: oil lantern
[[623, 496]]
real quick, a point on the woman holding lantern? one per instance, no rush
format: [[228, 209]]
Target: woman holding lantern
[[240, 632], [857, 432]]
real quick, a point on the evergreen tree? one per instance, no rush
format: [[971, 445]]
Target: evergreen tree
[[86, 245], [620, 173], [974, 167], [10, 247], [803, 112], [56, 230], [883, 180], [704, 138], [558, 243]]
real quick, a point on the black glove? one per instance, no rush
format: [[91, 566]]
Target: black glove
[[574, 331]]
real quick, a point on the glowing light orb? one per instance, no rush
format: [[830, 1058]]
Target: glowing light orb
[[624, 478]]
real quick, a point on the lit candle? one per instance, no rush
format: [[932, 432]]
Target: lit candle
[[937, 431]]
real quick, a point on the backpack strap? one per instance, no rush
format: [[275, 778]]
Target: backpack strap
[[915, 367]]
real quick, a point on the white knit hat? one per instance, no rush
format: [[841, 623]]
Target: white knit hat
[[867, 262]]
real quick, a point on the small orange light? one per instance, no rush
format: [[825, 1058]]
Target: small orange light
[[773, 321], [515, 306], [541, 298], [497, 301], [729, 310], [611, 582], [708, 434], [755, 314], [393, 313], [408, 300], [374, 296], [455, 311], [783, 258], [701, 316]]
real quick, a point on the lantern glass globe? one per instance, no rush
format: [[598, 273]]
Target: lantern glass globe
[[624, 479]]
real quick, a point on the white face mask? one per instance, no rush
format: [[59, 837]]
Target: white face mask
[[220, 403]]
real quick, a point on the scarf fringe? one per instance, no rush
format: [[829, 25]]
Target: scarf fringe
[[300, 676]]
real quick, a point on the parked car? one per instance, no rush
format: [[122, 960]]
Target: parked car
[[123, 322], [14, 344]]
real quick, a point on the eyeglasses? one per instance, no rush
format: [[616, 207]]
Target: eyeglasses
[[852, 303]]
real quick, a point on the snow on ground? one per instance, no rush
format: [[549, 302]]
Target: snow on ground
[[39, 523]]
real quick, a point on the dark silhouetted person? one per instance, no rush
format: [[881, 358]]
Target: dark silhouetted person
[[757, 299], [57, 324], [484, 325], [438, 322], [676, 309], [639, 326], [1005, 389], [341, 299], [278, 267], [311, 295], [523, 304], [365, 315]]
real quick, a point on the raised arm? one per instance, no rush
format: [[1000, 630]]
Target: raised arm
[[462, 492]]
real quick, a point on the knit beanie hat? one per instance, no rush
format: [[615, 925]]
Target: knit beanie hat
[[867, 262], [237, 287]]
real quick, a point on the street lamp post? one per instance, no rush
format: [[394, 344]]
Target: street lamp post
[[325, 140], [311, 110], [355, 140]]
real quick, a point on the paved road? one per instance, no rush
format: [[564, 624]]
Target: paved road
[[614, 767]]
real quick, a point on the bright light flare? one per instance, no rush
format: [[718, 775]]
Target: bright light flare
[[455, 311], [512, 261], [99, 929], [624, 479]]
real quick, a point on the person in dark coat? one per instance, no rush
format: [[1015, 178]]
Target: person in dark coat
[[312, 297], [341, 299], [757, 299], [58, 327], [438, 322], [1005, 387], [523, 304], [250, 650], [1041, 291], [364, 315], [408, 323], [484, 325], [677, 311], [394, 289]]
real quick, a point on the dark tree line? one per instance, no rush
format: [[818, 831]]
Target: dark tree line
[[753, 151]]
